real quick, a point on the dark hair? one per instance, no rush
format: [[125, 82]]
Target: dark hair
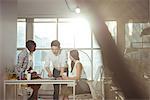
[[55, 43], [75, 55], [30, 43]]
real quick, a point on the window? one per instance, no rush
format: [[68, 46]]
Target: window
[[97, 64], [21, 33], [112, 26], [39, 60], [66, 34], [85, 58], [72, 33], [97, 56], [44, 31], [133, 36], [137, 46]]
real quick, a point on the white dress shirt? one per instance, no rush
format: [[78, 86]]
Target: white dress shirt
[[56, 61]]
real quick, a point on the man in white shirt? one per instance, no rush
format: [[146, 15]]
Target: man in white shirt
[[55, 63]]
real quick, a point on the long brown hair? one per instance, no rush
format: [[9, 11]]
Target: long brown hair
[[75, 55]]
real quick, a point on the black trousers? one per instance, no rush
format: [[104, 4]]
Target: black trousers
[[56, 73]]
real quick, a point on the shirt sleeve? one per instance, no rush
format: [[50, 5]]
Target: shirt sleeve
[[21, 63], [48, 63], [64, 58]]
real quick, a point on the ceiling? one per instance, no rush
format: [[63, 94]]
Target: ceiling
[[111, 9], [44, 7]]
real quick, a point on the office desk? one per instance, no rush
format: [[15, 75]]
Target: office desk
[[39, 81]]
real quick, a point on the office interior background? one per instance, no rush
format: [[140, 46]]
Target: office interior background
[[47, 20]]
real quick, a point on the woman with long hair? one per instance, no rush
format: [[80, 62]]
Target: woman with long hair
[[77, 73]]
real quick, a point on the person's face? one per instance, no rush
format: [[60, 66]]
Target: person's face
[[32, 49], [55, 50]]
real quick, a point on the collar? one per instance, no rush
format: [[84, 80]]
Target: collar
[[28, 51], [58, 53]]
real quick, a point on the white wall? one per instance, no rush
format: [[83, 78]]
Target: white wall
[[8, 36], [0, 34], [124, 9], [1, 81], [9, 12]]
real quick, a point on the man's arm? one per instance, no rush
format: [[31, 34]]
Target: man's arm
[[46, 66], [48, 71], [61, 71], [64, 62]]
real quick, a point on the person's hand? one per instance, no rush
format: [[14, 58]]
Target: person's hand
[[64, 77], [50, 74], [59, 78], [29, 70]]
